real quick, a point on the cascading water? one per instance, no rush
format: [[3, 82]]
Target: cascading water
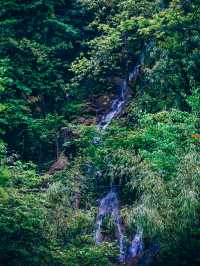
[[115, 109], [109, 205], [136, 247], [118, 103]]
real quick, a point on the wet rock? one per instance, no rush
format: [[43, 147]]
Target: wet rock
[[146, 258], [133, 261], [104, 102], [117, 81]]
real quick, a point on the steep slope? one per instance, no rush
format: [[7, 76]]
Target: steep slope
[[67, 67]]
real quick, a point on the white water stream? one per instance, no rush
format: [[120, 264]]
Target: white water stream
[[109, 205], [119, 102]]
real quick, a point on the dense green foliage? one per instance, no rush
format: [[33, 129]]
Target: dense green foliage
[[57, 60]]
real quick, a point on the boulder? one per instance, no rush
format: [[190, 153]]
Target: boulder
[[86, 121], [60, 164]]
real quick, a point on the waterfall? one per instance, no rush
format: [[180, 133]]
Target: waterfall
[[119, 102], [109, 205], [136, 247], [115, 109]]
